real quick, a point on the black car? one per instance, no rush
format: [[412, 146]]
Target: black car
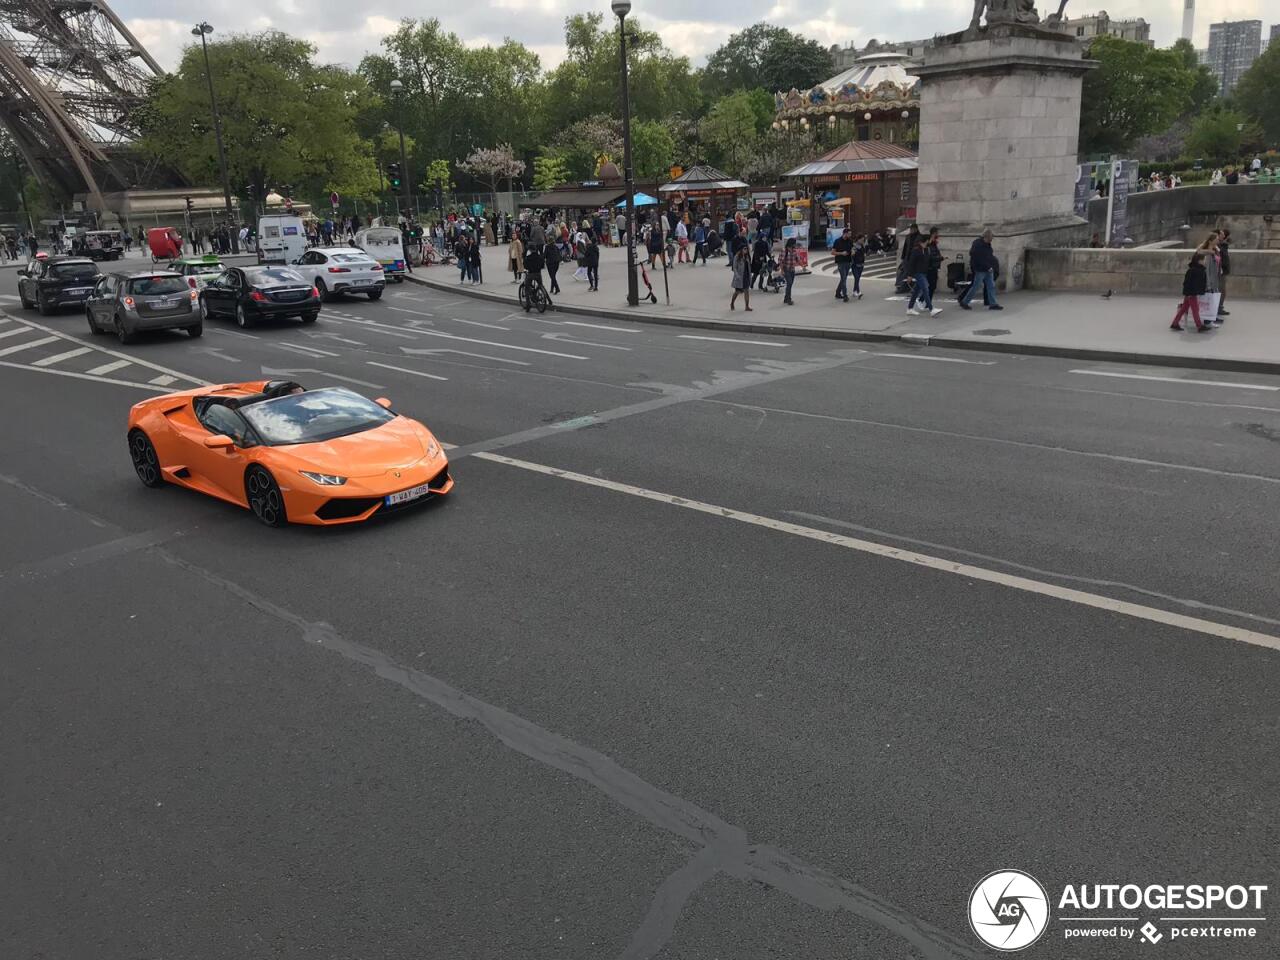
[[56, 282], [129, 303], [250, 294]]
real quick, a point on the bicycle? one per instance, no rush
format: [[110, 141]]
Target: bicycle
[[533, 294]]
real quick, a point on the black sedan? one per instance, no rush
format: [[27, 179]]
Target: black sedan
[[250, 294], [56, 282]]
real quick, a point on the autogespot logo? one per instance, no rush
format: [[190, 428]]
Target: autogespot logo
[[1009, 910]]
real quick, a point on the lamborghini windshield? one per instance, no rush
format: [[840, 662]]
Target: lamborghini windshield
[[314, 416]]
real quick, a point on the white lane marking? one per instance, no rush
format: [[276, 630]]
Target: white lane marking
[[416, 373], [14, 332], [477, 323], [9, 296], [108, 367], [446, 446], [122, 356], [1097, 601], [753, 343], [501, 346], [1199, 383], [161, 381], [235, 333], [5, 320], [565, 338], [1003, 441], [376, 327], [406, 296], [305, 351], [921, 356], [597, 326], [416, 351], [417, 313], [24, 346], [59, 357], [80, 376]]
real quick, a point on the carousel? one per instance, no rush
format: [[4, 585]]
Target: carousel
[[875, 99]]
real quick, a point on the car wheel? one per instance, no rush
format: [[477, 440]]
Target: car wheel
[[195, 330], [144, 458], [26, 304], [42, 304], [122, 332], [265, 499], [93, 327], [309, 317], [242, 318], [375, 294], [325, 295], [204, 309]]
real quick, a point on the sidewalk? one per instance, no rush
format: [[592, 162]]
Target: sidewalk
[[1132, 329]]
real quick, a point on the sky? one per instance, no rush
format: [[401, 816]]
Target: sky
[[344, 32]]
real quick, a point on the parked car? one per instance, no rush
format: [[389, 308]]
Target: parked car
[[337, 270], [250, 294], [128, 303], [56, 282]]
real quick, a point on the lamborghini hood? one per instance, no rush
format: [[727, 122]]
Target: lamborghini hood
[[398, 443]]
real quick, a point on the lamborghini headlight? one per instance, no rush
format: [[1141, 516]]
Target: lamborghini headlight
[[324, 479]]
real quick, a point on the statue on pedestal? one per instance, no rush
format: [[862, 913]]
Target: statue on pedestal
[[1004, 11]]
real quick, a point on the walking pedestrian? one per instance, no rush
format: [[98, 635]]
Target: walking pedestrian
[[918, 270], [12, 243], [913, 234], [551, 257], [473, 262], [741, 279], [682, 241], [843, 251], [759, 261], [620, 221], [1224, 268], [700, 242], [935, 260], [515, 256], [462, 250], [591, 260], [982, 261], [787, 263], [1194, 284], [1213, 272], [654, 242], [857, 261]]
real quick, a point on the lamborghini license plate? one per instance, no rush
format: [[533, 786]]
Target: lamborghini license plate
[[404, 496]]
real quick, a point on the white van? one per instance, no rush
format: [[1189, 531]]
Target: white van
[[385, 245], [281, 239]]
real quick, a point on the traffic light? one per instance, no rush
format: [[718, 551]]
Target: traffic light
[[393, 175], [190, 206]]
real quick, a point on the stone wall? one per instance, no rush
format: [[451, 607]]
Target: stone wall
[[1160, 214], [1254, 273]]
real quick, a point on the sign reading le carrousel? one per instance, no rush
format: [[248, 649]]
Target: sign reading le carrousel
[[1011, 910]]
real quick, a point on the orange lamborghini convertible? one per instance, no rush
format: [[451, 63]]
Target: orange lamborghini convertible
[[288, 454]]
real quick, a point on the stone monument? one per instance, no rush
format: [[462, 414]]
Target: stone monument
[[999, 128]]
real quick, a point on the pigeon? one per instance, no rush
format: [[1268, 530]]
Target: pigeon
[[1107, 295]]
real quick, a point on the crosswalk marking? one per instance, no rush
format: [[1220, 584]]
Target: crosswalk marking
[[59, 357], [108, 368], [5, 320], [9, 296], [163, 380], [14, 332], [108, 351], [27, 346]]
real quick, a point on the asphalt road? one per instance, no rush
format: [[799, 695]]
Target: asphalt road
[[723, 647]]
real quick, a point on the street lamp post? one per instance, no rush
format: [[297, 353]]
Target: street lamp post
[[621, 8], [202, 30], [397, 91]]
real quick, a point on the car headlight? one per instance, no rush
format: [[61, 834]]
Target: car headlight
[[324, 479], [433, 448]]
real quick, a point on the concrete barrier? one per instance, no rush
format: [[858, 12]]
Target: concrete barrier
[[1250, 210], [1254, 273]]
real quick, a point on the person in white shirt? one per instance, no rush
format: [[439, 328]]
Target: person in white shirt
[[682, 241]]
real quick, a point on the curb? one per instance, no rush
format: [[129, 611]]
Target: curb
[[873, 336]]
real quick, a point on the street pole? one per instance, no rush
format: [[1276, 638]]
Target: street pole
[[397, 91], [621, 8], [202, 30]]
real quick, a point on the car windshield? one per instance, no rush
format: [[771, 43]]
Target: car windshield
[[203, 268], [73, 271], [156, 286], [315, 416], [273, 275]]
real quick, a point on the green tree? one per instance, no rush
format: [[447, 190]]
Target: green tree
[[582, 145], [730, 126], [1135, 91], [652, 150], [768, 56], [1219, 134], [549, 170], [284, 119], [1205, 87], [1258, 92]]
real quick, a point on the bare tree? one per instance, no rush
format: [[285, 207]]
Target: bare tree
[[492, 165]]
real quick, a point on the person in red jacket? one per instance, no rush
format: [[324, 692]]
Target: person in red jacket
[[1194, 283]]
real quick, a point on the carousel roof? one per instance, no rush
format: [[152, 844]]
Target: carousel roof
[[873, 79], [859, 156], [871, 70]]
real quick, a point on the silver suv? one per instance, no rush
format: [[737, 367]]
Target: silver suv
[[129, 303]]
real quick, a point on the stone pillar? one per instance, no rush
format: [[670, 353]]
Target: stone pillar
[[999, 127]]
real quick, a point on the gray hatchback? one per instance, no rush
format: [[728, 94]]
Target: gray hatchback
[[129, 303]]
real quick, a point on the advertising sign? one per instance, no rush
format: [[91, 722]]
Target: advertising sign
[[1122, 174]]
